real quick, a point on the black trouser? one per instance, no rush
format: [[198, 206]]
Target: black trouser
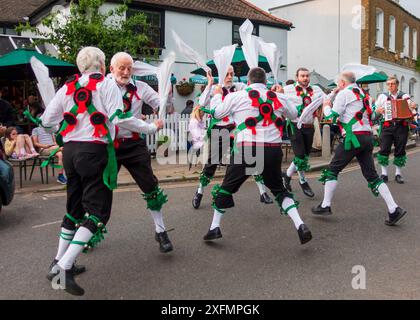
[[135, 157], [237, 174], [363, 154], [218, 149], [301, 140], [84, 164], [396, 134]]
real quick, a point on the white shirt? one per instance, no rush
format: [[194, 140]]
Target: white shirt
[[208, 99], [106, 98], [238, 105], [295, 100], [147, 95], [346, 106]]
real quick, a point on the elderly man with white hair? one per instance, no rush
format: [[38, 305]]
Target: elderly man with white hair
[[89, 106], [352, 108], [131, 148]]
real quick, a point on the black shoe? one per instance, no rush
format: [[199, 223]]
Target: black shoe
[[71, 286], [307, 190], [265, 198], [76, 270], [395, 217], [214, 234], [384, 178], [304, 233], [196, 201], [287, 181], [319, 210], [165, 244], [399, 179]]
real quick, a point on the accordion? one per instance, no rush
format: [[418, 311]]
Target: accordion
[[397, 110]]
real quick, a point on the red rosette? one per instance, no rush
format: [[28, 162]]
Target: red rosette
[[307, 101], [359, 117], [82, 98], [226, 119], [356, 91], [127, 104], [266, 110], [299, 91], [132, 90], [71, 84], [71, 123], [279, 123], [251, 124], [387, 124], [273, 97], [254, 95], [310, 91], [94, 79], [97, 119]]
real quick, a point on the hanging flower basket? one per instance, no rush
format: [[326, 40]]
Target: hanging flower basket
[[184, 88]]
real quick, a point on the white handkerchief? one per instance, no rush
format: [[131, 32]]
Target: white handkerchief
[[273, 55], [164, 72], [45, 84], [250, 44], [222, 59]]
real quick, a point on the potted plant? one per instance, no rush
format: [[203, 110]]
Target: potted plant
[[184, 88]]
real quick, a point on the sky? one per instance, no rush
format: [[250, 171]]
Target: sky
[[411, 5]]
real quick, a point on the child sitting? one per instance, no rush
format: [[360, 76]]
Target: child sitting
[[18, 146]]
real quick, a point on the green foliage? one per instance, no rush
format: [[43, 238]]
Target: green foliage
[[418, 64], [86, 25]]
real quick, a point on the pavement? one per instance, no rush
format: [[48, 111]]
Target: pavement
[[167, 170]]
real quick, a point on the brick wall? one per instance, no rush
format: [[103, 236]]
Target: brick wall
[[402, 17]]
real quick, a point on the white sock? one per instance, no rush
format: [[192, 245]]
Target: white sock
[[329, 190], [291, 169], [398, 171], [66, 237], [386, 194], [302, 178], [261, 187], [217, 217], [200, 189], [293, 213], [67, 260], [384, 170], [158, 219]]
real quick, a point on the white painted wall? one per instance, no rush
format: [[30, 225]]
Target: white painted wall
[[321, 40]]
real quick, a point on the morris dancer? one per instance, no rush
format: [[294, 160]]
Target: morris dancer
[[300, 95], [355, 114], [224, 127], [258, 114], [394, 132]]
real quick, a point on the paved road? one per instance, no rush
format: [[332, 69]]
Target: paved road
[[259, 257]]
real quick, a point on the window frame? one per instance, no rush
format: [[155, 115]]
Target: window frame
[[392, 35], [239, 23], [380, 26]]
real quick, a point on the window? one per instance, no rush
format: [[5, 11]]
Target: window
[[5, 45], [236, 38], [379, 28], [6, 30], [392, 34], [415, 40], [22, 42], [402, 83], [156, 30], [411, 87], [406, 43]]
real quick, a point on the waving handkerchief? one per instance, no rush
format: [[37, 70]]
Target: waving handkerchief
[[45, 84], [189, 52], [308, 111], [273, 55], [164, 72], [250, 44], [222, 59]]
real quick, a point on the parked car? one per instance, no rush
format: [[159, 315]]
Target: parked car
[[7, 181]]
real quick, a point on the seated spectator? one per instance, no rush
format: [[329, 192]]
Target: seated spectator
[[45, 143], [19, 146]]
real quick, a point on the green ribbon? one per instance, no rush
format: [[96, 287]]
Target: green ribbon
[[49, 161], [155, 199], [374, 186], [327, 175], [216, 190], [400, 161]]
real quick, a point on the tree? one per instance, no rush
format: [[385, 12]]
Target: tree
[[87, 25]]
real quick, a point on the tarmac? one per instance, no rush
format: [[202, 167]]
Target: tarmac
[[176, 172]]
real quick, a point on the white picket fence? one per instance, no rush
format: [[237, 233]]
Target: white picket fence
[[176, 128]]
